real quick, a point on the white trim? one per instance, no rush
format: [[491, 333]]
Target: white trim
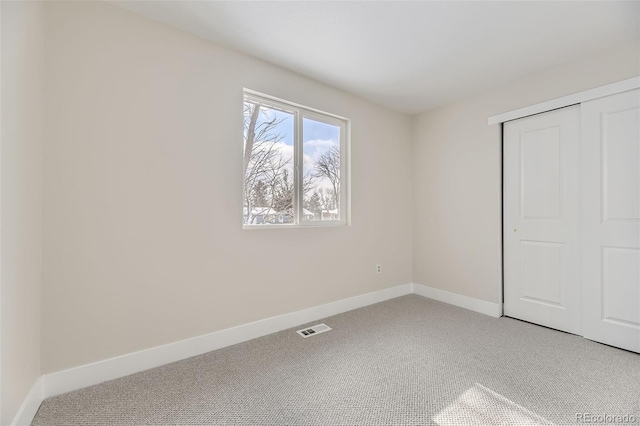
[[30, 406], [285, 104], [307, 225], [576, 98], [91, 374], [477, 305], [113, 368]]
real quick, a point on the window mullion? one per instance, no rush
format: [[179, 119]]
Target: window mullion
[[344, 177], [298, 166]]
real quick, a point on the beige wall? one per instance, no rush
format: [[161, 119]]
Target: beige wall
[[142, 196], [457, 172], [21, 202], [142, 238]]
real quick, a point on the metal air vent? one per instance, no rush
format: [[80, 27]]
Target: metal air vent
[[312, 331]]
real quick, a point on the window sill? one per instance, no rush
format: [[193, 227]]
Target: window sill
[[325, 224]]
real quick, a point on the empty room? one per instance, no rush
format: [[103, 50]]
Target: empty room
[[319, 212]]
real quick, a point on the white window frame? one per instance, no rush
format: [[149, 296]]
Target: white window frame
[[300, 112]]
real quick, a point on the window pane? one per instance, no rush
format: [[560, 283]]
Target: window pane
[[268, 164], [321, 170]]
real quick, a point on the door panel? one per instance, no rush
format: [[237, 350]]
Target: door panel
[[541, 192], [541, 219], [611, 219], [620, 290], [541, 272], [620, 153]]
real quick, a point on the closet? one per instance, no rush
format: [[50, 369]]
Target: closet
[[571, 217]]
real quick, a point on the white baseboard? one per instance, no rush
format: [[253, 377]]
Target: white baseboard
[[113, 368], [30, 406], [477, 305]]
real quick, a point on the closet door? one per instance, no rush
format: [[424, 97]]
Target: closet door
[[611, 219], [541, 219]]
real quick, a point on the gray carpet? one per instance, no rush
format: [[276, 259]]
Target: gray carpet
[[407, 361]]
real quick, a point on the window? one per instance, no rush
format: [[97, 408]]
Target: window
[[295, 165]]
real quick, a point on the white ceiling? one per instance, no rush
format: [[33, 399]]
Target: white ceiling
[[410, 56]]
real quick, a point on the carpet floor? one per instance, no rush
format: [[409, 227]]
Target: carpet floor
[[406, 361]]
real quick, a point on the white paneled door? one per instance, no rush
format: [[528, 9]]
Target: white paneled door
[[542, 219], [611, 219]]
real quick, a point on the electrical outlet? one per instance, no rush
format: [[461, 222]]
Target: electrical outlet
[[378, 269]]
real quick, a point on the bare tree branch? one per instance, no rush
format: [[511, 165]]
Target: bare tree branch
[[266, 174], [328, 166], [251, 133]]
